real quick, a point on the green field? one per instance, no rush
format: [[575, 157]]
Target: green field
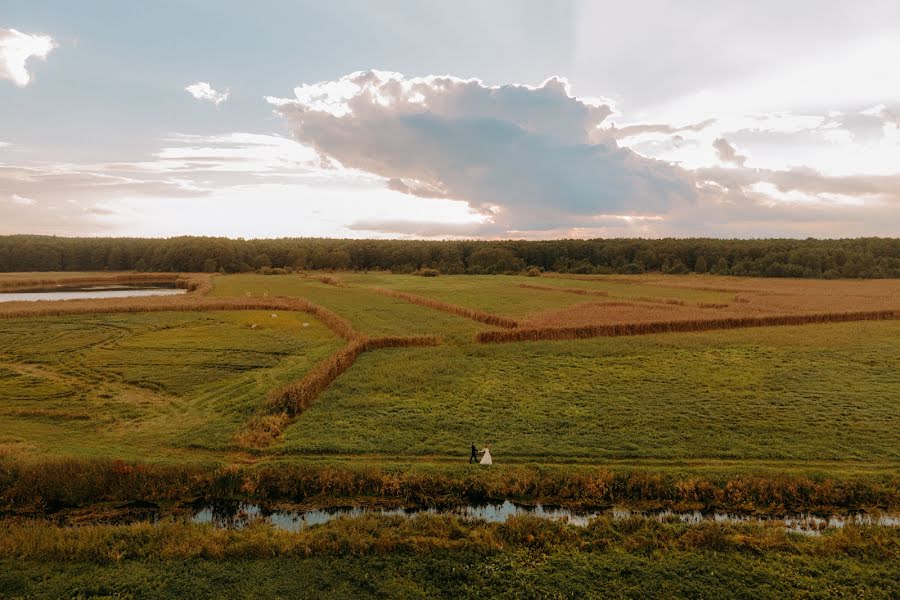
[[766, 420], [177, 385], [813, 393], [149, 385], [434, 557]]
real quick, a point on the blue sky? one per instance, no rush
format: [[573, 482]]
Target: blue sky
[[463, 119]]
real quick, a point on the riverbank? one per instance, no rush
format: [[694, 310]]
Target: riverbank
[[441, 556]]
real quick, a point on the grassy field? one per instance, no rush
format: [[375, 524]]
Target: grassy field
[[818, 392], [105, 408], [371, 314], [148, 385], [435, 557], [169, 384]]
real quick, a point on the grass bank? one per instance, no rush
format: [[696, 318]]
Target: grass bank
[[443, 557], [49, 485]]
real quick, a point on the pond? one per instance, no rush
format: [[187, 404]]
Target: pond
[[235, 515], [61, 292]]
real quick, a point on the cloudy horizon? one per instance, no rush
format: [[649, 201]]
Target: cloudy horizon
[[517, 120]]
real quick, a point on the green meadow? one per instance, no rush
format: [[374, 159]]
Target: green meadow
[[179, 385], [146, 386], [98, 411], [812, 393]]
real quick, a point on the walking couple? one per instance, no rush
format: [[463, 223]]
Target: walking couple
[[485, 457]]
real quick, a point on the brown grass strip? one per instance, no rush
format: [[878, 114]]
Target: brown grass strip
[[568, 290], [454, 309], [589, 331], [329, 280], [649, 300]]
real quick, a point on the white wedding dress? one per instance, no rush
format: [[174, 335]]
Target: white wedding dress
[[486, 458]]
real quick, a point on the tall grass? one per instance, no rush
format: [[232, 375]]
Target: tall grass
[[375, 534], [330, 280], [567, 290], [27, 485], [462, 311], [589, 331]]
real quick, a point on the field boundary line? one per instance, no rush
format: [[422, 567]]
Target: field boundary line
[[590, 331], [454, 309], [567, 290]]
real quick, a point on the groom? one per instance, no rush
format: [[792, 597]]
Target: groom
[[473, 457]]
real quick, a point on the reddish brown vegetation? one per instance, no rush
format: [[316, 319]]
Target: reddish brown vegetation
[[613, 313], [670, 301], [78, 482], [588, 331], [462, 311], [550, 288], [329, 280]]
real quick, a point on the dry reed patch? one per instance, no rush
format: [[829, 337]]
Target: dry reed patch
[[462, 311], [331, 280], [866, 288], [579, 291], [825, 302], [607, 313], [673, 326]]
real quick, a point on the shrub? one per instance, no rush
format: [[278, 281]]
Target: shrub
[[427, 273], [533, 272]]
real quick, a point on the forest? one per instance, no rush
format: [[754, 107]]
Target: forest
[[809, 258]]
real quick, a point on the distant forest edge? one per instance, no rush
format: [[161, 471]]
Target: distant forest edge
[[844, 258]]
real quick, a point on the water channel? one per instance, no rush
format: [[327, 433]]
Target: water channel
[[62, 292], [239, 515]]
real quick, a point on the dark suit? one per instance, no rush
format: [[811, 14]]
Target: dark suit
[[474, 456]]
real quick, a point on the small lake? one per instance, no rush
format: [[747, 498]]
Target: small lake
[[234, 515], [62, 292]]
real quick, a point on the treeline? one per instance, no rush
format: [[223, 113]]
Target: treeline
[[845, 258]]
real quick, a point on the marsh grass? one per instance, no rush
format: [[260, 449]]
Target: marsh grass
[[627, 329], [59, 483]]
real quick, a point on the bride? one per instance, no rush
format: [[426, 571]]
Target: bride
[[486, 457]]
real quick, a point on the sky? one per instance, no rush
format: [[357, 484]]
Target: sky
[[466, 119]]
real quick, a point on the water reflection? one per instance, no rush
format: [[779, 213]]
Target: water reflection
[[237, 515], [76, 292]]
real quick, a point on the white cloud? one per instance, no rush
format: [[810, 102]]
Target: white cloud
[[538, 162], [16, 48], [23, 200], [526, 156], [727, 153], [204, 92]]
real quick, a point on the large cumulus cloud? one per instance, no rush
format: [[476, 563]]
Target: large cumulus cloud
[[530, 157]]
